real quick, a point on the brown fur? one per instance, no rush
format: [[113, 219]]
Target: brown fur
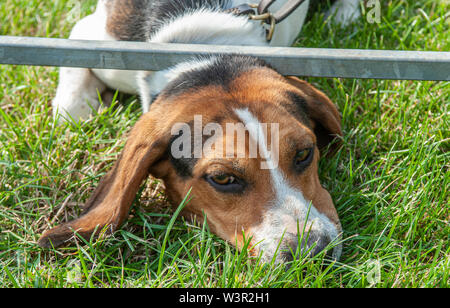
[[125, 19], [262, 91]]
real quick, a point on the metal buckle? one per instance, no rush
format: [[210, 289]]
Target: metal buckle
[[266, 18]]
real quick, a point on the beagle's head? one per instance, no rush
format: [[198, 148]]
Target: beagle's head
[[246, 141]]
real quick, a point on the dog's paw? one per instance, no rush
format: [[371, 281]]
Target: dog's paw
[[74, 108], [344, 12]]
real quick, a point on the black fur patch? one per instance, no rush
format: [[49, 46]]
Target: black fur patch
[[138, 20], [222, 70], [127, 19], [185, 165], [298, 107]]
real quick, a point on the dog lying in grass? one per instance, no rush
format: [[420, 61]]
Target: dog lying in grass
[[264, 183]]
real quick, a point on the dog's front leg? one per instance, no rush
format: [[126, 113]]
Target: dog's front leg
[[77, 94], [78, 88]]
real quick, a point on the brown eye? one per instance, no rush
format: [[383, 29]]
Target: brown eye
[[226, 183], [303, 159], [302, 156], [223, 179]]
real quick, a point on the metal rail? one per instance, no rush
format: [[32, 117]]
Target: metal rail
[[314, 62]]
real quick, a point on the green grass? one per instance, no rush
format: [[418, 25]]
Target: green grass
[[389, 181]]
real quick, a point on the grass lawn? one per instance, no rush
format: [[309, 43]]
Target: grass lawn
[[390, 181]]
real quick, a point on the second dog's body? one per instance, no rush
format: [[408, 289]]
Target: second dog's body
[[164, 21]]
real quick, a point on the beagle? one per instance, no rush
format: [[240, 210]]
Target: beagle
[[170, 21], [233, 104]]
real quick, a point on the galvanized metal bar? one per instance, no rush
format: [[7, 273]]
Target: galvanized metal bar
[[314, 62]]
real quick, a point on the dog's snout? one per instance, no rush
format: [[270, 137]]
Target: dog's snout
[[315, 242], [312, 243]]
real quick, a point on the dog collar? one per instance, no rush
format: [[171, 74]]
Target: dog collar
[[261, 12]]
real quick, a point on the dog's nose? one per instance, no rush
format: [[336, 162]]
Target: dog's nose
[[312, 243], [315, 242]]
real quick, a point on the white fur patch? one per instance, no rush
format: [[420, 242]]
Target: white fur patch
[[122, 80], [289, 210], [211, 27], [76, 95]]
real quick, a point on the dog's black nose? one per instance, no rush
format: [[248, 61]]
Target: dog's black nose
[[312, 243], [315, 243]]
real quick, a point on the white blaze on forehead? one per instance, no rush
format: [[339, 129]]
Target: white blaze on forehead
[[256, 132], [292, 198], [289, 210]]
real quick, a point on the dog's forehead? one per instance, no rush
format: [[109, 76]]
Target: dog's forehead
[[222, 71], [216, 86], [213, 105]]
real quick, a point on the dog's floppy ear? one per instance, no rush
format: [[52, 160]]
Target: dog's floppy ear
[[109, 205], [324, 114]]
